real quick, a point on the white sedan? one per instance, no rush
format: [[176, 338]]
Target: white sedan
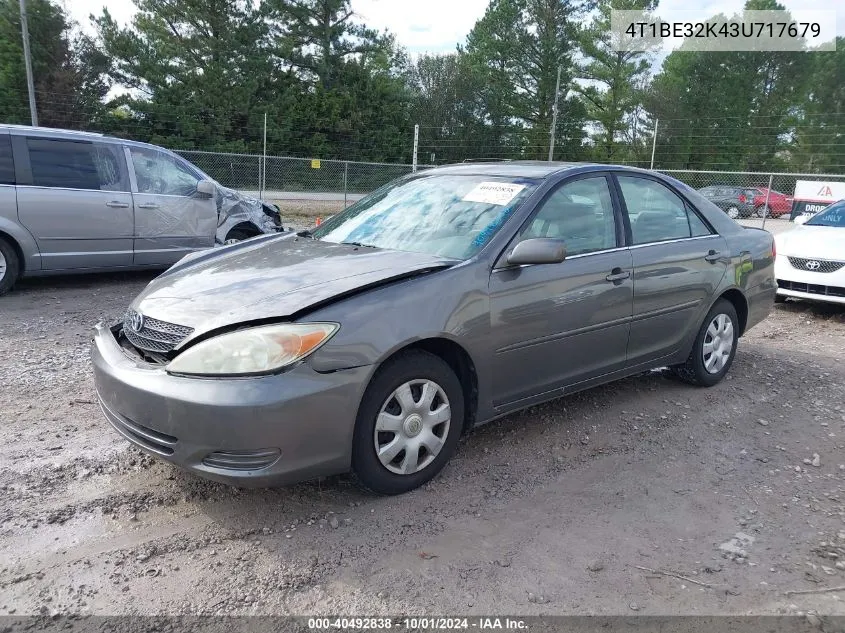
[[810, 261]]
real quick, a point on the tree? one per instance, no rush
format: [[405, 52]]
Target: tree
[[520, 44], [613, 84], [197, 71], [67, 68]]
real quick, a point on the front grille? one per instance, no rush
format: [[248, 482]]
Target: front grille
[[816, 289], [154, 335], [816, 265], [242, 460]]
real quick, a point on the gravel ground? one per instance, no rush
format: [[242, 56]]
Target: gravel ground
[[646, 496]]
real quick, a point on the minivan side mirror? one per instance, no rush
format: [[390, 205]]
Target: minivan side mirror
[[206, 189], [537, 250], [801, 219]]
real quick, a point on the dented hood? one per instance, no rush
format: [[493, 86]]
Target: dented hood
[[270, 277]]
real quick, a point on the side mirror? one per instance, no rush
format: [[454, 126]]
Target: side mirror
[[801, 219], [538, 250], [206, 189]]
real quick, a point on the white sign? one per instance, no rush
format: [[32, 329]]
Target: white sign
[[493, 193], [818, 191]]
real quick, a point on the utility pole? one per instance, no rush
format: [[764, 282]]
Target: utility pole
[[27, 60], [416, 146], [654, 142], [554, 116]]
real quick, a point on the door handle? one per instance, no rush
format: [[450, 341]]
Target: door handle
[[617, 274], [148, 205], [117, 204], [713, 256]]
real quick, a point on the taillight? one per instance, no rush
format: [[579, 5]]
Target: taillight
[[742, 198]]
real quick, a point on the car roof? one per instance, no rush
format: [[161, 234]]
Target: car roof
[[525, 168], [58, 133]]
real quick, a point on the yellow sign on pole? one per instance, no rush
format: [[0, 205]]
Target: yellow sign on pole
[[315, 163]]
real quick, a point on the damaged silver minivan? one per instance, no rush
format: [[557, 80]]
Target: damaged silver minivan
[[78, 202]]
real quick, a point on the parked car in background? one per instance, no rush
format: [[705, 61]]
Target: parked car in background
[[76, 202], [736, 202], [811, 258], [443, 300], [773, 206]]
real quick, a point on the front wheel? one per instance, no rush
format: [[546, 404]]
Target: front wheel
[[762, 211], [10, 266], [715, 347], [733, 212], [409, 423]]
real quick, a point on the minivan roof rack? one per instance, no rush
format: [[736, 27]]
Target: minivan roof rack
[[487, 160], [14, 126]]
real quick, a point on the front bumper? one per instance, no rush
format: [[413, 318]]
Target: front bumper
[[263, 431], [805, 284]]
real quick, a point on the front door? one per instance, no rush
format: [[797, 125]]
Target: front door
[[74, 198], [558, 324], [678, 264], [171, 220]]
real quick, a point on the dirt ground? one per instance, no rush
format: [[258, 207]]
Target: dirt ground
[[733, 495]]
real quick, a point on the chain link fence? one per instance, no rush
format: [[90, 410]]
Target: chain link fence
[[283, 177], [742, 195]]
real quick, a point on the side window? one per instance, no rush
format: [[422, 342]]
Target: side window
[[159, 173], [656, 212], [697, 225], [7, 164], [579, 212], [77, 165]]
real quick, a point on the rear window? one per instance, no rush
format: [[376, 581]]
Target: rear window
[[77, 165], [7, 164]]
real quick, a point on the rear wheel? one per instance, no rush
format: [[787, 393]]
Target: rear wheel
[[10, 266], [714, 349], [763, 211], [409, 423]]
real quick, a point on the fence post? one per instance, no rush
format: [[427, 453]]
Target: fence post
[[263, 172], [345, 180], [416, 146], [653, 142], [766, 203]]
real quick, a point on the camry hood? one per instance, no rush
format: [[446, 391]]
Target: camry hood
[[271, 277], [822, 242]]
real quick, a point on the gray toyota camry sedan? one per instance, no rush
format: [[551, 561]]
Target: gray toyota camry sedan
[[443, 300]]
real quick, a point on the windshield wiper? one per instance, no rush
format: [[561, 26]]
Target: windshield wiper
[[305, 233], [359, 244]]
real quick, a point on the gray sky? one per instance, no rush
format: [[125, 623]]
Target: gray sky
[[439, 25]]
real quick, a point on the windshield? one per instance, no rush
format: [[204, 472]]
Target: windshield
[[834, 215], [440, 214]]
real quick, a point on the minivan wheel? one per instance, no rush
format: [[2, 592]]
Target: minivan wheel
[[10, 266], [715, 347], [238, 235], [409, 423]]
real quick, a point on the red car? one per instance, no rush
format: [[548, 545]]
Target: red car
[[778, 204]]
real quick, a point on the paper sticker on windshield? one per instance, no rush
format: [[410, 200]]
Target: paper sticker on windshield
[[493, 193]]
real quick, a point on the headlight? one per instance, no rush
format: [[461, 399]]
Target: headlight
[[255, 350]]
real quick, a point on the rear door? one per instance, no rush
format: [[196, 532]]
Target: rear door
[[74, 198], [170, 219], [678, 260]]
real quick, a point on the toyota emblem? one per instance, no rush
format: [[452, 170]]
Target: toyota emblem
[[813, 265], [136, 321]]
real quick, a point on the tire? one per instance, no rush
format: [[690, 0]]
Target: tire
[[694, 370], [733, 212], [238, 235], [762, 211], [10, 266], [418, 371], [780, 299]]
